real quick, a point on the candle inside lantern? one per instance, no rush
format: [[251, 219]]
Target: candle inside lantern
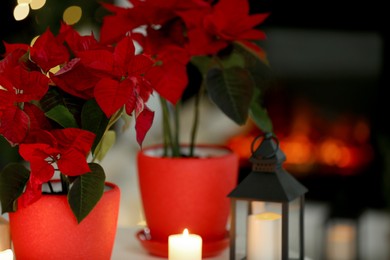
[[264, 236], [184, 246], [6, 255]]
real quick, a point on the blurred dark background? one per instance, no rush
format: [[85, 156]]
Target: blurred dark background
[[331, 63]]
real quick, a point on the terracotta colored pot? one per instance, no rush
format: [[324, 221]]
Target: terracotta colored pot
[[47, 229], [191, 193]]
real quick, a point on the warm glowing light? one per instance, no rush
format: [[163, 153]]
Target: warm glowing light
[[330, 152], [34, 40], [346, 157], [37, 4], [21, 11], [343, 232], [72, 14], [362, 132], [24, 2], [299, 149], [184, 246], [268, 216], [335, 153], [312, 143], [241, 145]]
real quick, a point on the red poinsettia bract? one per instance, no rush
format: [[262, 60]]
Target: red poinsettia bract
[[122, 82], [75, 77], [227, 21], [169, 74], [64, 150], [17, 86], [48, 51], [149, 13]]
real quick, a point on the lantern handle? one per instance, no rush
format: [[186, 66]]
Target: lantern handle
[[266, 136]]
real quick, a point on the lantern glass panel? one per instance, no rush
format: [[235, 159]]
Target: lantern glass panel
[[294, 228], [242, 211]]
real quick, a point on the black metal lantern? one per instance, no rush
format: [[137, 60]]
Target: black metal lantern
[[268, 182]]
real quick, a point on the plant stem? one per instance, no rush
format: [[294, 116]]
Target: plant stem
[[110, 123], [50, 187], [64, 184], [177, 125], [194, 129], [165, 125], [168, 137]]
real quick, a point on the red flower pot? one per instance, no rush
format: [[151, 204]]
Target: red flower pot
[[47, 229], [191, 193]]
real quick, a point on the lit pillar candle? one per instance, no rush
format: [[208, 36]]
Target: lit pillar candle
[[264, 236], [341, 242], [185, 246], [6, 255]]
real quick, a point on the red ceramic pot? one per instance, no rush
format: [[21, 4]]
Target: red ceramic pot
[[191, 193], [47, 229]]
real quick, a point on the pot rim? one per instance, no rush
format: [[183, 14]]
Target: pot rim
[[223, 151], [112, 188]]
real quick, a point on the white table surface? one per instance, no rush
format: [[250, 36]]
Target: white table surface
[[128, 247]]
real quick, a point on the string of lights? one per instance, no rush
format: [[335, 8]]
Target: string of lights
[[22, 9], [71, 15]]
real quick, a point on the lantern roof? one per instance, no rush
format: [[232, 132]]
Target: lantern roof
[[268, 181], [268, 151], [278, 186]]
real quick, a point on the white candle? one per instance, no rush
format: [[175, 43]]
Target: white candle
[[6, 255], [341, 242], [184, 246], [264, 236]]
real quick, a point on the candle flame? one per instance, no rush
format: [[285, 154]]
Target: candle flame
[[185, 232]]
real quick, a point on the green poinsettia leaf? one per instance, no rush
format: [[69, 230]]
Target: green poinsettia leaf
[[258, 68], [94, 120], [235, 59], [231, 90], [105, 144], [55, 97], [62, 116], [261, 75], [13, 179], [202, 63], [86, 191], [259, 114]]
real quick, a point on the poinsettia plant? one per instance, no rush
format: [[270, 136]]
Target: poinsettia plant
[[59, 99], [218, 37]]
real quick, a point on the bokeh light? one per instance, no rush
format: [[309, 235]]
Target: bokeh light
[[21, 11], [72, 14], [37, 4]]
